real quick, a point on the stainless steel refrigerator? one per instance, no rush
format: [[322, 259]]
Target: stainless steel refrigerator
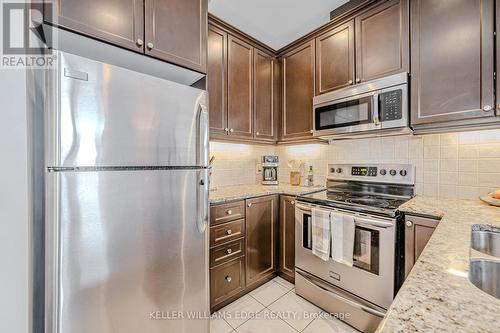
[[125, 167]]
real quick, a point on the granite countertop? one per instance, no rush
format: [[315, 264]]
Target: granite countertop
[[437, 295], [238, 192]]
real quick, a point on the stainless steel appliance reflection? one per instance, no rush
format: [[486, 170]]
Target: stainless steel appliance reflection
[[126, 183]]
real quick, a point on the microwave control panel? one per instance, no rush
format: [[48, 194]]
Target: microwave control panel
[[391, 106]]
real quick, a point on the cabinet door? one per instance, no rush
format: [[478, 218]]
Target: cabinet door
[[298, 92], [335, 58], [261, 237], [263, 99], [418, 231], [239, 88], [119, 22], [382, 40], [452, 60], [287, 237], [217, 81], [226, 280], [176, 31]]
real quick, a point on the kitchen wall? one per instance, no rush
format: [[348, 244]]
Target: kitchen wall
[[452, 165]]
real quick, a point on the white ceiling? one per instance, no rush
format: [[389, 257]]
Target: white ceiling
[[276, 23]]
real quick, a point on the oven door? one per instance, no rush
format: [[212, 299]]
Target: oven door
[[347, 115], [372, 275]]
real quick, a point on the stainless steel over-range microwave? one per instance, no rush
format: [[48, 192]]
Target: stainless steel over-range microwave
[[376, 107]]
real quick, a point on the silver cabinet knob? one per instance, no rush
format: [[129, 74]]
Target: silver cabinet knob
[[231, 130], [409, 224], [350, 81], [358, 80], [292, 202], [226, 129], [249, 204], [229, 251], [229, 232], [487, 108], [257, 133], [498, 106], [139, 42], [311, 131], [228, 279], [150, 46], [229, 212]]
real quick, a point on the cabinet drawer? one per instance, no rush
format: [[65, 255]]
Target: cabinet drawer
[[227, 280], [226, 232], [224, 253], [227, 212]]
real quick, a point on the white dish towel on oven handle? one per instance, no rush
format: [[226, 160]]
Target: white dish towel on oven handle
[[342, 228], [321, 233]]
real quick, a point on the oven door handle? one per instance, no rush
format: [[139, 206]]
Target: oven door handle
[[303, 208], [343, 299]]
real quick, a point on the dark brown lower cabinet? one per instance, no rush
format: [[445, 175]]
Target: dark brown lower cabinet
[[227, 280], [261, 238], [243, 247], [418, 231], [287, 238]]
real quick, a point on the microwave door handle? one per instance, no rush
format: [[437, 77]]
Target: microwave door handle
[[376, 116]]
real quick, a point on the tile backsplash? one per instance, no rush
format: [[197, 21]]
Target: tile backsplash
[[452, 165]]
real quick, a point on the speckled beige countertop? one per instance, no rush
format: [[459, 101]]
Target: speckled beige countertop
[[238, 192], [437, 295]]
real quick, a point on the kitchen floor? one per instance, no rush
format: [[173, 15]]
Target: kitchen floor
[[275, 308]]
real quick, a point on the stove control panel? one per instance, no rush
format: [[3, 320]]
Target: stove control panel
[[383, 173]]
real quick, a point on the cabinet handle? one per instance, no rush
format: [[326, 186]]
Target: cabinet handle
[[257, 133], [231, 130], [139, 42], [229, 232], [292, 202], [249, 204], [229, 251], [229, 212], [150, 46], [226, 130], [350, 81], [228, 279], [358, 80], [487, 108], [409, 224], [311, 131]]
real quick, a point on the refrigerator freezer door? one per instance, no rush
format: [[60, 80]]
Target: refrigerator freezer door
[[128, 254], [104, 115]]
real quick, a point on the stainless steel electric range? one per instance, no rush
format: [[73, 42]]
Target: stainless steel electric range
[[371, 193]]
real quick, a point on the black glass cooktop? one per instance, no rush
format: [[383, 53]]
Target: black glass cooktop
[[353, 201]]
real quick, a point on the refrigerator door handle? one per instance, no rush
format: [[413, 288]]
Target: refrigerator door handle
[[203, 204], [202, 151]]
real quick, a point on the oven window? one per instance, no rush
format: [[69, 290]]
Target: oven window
[[366, 249], [366, 245], [307, 231], [343, 114]]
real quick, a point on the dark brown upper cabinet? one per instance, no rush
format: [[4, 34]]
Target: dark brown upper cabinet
[[335, 58], [171, 30], [382, 41], [261, 238], [452, 60], [119, 22], [263, 98], [239, 88], [176, 31], [298, 92], [217, 81]]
